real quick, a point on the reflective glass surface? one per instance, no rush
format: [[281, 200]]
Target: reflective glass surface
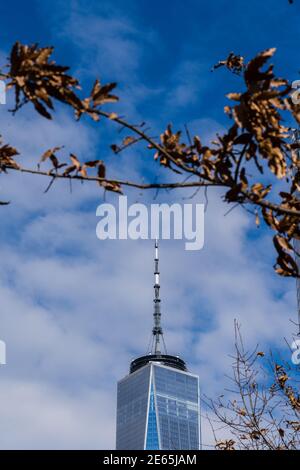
[[132, 406], [173, 414], [177, 408], [152, 434]]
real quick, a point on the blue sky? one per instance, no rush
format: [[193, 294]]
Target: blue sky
[[75, 310]]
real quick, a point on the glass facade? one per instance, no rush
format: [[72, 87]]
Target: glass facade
[[152, 442], [177, 398], [158, 408], [132, 406]]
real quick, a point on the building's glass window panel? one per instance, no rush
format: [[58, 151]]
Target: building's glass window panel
[[178, 384], [164, 431], [183, 410], [184, 436], [174, 442], [177, 399], [132, 406], [193, 433], [152, 434], [162, 403], [193, 415], [172, 407]]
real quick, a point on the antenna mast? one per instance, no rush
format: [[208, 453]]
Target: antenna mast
[[157, 331]]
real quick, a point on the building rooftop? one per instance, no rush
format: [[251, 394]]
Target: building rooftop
[[164, 359]]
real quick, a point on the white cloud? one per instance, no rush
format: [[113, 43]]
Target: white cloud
[[110, 43], [35, 416], [187, 81]]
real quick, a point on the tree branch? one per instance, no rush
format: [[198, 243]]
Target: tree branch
[[178, 185]]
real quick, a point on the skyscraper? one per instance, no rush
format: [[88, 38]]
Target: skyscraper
[[158, 401]]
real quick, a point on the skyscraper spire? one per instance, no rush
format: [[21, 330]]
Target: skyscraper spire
[[157, 351], [157, 329]]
